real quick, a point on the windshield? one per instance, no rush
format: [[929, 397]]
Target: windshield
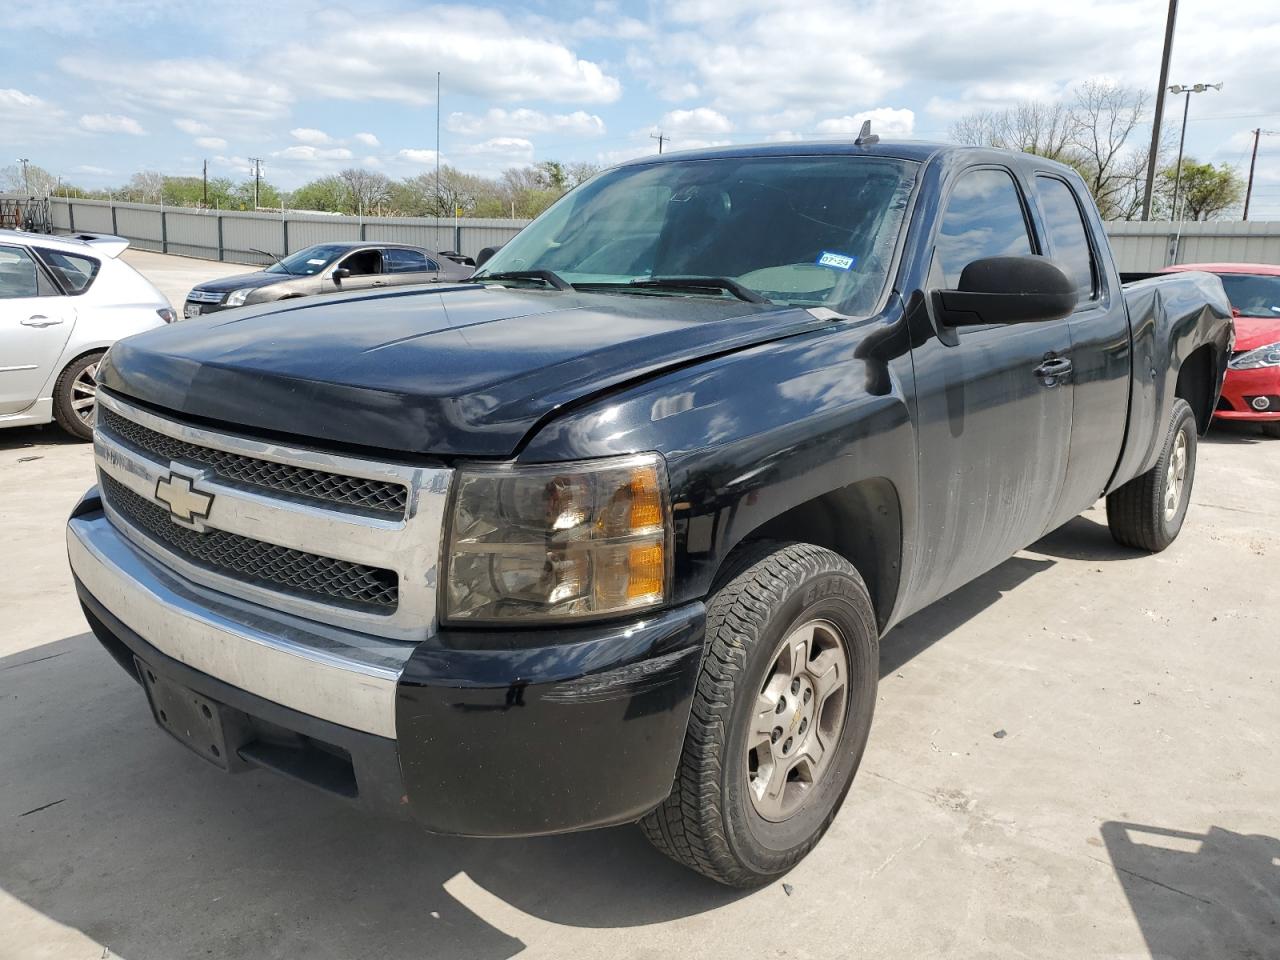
[[310, 261], [812, 231], [1253, 296]]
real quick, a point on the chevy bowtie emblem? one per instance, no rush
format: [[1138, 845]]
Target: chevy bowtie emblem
[[186, 504]]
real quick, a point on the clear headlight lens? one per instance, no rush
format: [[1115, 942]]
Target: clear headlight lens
[[238, 297], [558, 542], [1268, 356]]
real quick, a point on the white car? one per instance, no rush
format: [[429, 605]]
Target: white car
[[63, 302]]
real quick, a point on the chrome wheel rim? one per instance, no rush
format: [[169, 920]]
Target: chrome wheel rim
[[1175, 476], [84, 393], [797, 719]]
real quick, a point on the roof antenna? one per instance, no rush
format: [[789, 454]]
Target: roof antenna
[[865, 136]]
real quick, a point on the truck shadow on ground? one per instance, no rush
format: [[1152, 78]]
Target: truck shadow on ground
[[1196, 895], [110, 828], [17, 438]]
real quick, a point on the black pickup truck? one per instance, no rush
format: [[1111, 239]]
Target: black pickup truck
[[611, 533]]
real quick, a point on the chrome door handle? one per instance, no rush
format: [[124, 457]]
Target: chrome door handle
[[40, 320], [1053, 371]]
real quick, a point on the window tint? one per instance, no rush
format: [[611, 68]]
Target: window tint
[[984, 219], [405, 261], [73, 271], [1068, 241], [18, 274]]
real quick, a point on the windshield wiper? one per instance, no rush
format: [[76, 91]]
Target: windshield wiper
[[549, 277], [701, 283], [273, 257]]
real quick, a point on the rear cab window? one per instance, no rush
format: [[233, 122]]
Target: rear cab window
[[73, 271], [1068, 238]]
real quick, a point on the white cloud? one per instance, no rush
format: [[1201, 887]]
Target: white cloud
[[206, 90], [193, 127], [368, 139], [26, 118], [511, 148], [309, 154], [700, 120], [92, 170], [211, 143], [887, 122], [310, 135], [414, 155], [111, 123], [525, 121], [480, 53], [784, 136]]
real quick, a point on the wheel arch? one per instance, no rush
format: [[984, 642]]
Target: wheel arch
[[1198, 384]]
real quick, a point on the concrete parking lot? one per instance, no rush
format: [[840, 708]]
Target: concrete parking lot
[[1075, 756]]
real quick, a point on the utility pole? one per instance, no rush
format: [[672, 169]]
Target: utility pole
[[26, 180], [1176, 89], [1253, 162], [257, 175], [205, 178], [1153, 156], [661, 138]]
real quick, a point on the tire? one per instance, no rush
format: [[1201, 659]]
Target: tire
[[76, 385], [720, 818], [1144, 513], [1271, 428]]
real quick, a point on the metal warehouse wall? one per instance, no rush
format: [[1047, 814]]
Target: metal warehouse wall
[[233, 235]]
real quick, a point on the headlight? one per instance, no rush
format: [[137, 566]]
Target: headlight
[[238, 297], [559, 542], [1268, 356]]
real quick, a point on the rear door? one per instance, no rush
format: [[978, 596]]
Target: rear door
[[409, 266], [1100, 342], [993, 431], [35, 322]]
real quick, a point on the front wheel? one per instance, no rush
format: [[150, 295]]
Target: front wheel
[[780, 716], [75, 396], [1147, 512]]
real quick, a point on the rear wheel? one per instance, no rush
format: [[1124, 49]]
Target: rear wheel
[[1147, 512], [780, 716], [75, 396]]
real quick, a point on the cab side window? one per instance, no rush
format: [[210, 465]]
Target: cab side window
[[1068, 240], [19, 275], [984, 218], [364, 262]]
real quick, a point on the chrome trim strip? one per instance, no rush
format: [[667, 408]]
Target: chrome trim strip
[[343, 677], [411, 547]]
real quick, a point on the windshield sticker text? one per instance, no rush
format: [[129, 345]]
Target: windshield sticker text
[[837, 261]]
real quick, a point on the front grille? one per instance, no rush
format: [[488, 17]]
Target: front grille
[[377, 497], [205, 296], [294, 571]]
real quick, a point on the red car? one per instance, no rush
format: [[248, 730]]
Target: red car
[[1252, 388]]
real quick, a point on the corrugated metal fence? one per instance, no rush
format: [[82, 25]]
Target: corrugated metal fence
[[238, 236], [233, 235]]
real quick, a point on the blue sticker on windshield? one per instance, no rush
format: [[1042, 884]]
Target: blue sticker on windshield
[[837, 261]]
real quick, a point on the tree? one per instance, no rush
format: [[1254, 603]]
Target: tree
[[1205, 191], [367, 191], [1045, 129], [38, 182], [145, 186], [328, 194]]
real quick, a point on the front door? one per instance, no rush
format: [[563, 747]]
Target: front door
[[35, 322], [994, 431], [364, 270]]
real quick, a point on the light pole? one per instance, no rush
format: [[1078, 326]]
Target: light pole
[[1176, 89], [1253, 162], [26, 181]]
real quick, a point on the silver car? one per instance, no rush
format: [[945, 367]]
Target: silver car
[[63, 302], [329, 268]]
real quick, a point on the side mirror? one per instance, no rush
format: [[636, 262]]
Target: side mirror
[[483, 256], [341, 274], [1025, 289]]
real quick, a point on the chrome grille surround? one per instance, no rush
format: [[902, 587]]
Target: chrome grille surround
[[406, 548], [204, 296], [376, 496]]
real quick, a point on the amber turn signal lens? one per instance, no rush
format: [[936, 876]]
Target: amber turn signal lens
[[646, 568], [646, 498]]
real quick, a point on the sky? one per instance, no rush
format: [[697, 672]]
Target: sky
[[94, 90]]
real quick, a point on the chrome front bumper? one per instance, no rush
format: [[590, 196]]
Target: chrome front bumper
[[337, 675]]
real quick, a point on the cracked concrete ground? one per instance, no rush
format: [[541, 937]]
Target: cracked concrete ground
[[1131, 808]]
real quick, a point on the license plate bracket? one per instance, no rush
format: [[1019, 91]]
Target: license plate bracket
[[190, 310], [198, 723]]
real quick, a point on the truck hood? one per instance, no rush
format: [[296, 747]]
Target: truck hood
[[462, 370]]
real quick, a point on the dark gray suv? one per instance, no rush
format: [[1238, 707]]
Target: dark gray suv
[[329, 268]]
